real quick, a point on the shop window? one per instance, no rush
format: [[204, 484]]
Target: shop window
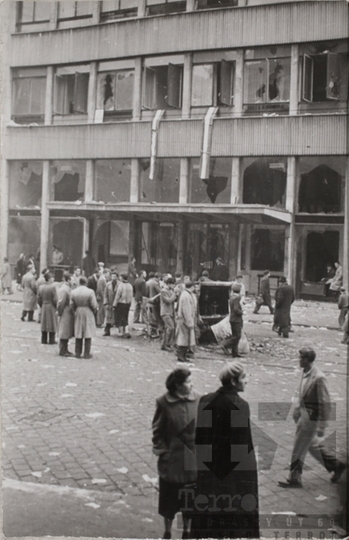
[[213, 84], [68, 180], [28, 95], [320, 190], [268, 249], [25, 186], [111, 242], [264, 181], [71, 93], [164, 188], [68, 236], [118, 9], [267, 80], [29, 13], [154, 7], [163, 87], [115, 92], [113, 178], [206, 242], [215, 189], [322, 250], [23, 236], [321, 77], [75, 10], [209, 4]]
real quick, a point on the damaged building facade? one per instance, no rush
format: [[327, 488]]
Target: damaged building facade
[[179, 132]]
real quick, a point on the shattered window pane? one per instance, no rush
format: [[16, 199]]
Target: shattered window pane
[[68, 180], [112, 180], [321, 184], [67, 235], [264, 181], [164, 188], [268, 249], [25, 187], [217, 188], [24, 236]]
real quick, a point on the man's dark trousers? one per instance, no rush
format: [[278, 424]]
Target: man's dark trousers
[[236, 329]]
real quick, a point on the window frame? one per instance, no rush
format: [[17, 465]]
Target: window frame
[[75, 16], [219, 68], [20, 23], [308, 70], [230, 4], [151, 91], [266, 99], [80, 104], [175, 6], [114, 74], [30, 114]]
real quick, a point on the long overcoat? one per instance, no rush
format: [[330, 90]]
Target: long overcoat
[[174, 437], [65, 312], [109, 296], [284, 298], [101, 286], [6, 278], [29, 292], [265, 290], [84, 304], [185, 330], [47, 300], [227, 474]]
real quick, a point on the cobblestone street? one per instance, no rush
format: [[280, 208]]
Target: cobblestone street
[[77, 433]]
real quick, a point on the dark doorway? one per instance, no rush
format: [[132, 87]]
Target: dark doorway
[[322, 249]]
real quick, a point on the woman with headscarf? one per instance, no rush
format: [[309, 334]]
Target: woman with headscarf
[[173, 443], [226, 499]]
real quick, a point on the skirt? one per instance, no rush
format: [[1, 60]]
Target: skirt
[[174, 498], [121, 314]]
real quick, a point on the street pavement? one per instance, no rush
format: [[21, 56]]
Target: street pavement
[[76, 444]]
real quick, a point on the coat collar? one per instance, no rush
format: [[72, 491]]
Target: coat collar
[[173, 399]]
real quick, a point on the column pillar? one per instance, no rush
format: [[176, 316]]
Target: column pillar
[[89, 181], [294, 80], [184, 181], [346, 230], [234, 229], [54, 16], [291, 184], [96, 8], [86, 239], [132, 248], [247, 239], [180, 246], [291, 191], [137, 91], [141, 8], [5, 206], [190, 5], [239, 88], [235, 181], [45, 215], [134, 187], [49, 96], [187, 81], [92, 91]]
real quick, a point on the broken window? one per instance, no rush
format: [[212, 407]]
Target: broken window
[[213, 84], [23, 236], [321, 77], [28, 96], [264, 181], [267, 80], [111, 241], [118, 9], [206, 4], [163, 7], [29, 13], [112, 180], [268, 249], [205, 243], [163, 87], [115, 91], [164, 188], [68, 236], [216, 189], [25, 186], [68, 180], [321, 184], [322, 250], [71, 91]]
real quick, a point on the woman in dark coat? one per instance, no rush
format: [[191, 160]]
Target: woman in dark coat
[[173, 443], [226, 499], [47, 300]]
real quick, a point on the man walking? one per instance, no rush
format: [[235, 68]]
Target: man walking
[[264, 298], [311, 415], [140, 293], [84, 304], [167, 301], [47, 300], [29, 294], [66, 315], [185, 334], [284, 298], [109, 295], [236, 321]]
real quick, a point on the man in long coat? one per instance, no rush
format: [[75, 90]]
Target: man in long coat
[[39, 282], [264, 299], [66, 315], [109, 296], [84, 304], [284, 298], [29, 294], [140, 293], [185, 331], [101, 286], [6, 278], [47, 300]]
